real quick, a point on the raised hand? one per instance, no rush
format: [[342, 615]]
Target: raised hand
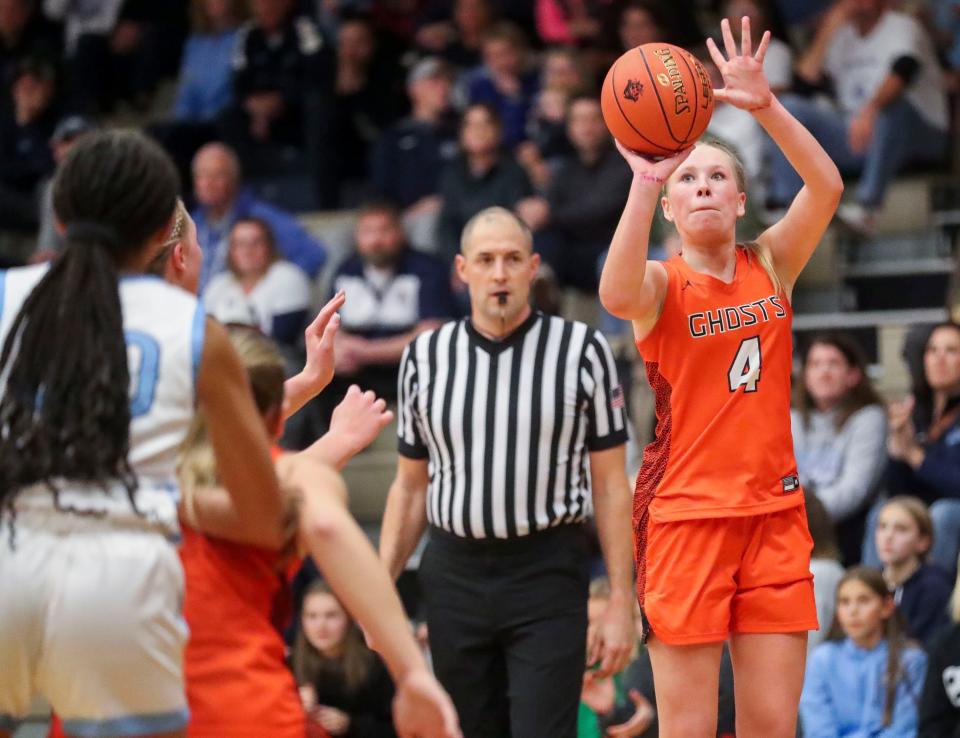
[[319, 341], [359, 418], [745, 83]]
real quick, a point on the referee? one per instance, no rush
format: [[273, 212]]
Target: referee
[[507, 420]]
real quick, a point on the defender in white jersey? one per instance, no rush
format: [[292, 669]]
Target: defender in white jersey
[[100, 372]]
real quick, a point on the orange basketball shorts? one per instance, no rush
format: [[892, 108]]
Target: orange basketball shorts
[[701, 580]]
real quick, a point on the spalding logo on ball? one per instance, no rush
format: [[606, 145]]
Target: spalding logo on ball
[[657, 99]]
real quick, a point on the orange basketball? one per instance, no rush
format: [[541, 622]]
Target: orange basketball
[[657, 99]]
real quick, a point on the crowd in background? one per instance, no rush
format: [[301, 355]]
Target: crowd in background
[[416, 114]]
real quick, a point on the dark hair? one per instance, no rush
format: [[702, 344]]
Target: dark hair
[[65, 409], [894, 632], [380, 206], [860, 395], [922, 391], [200, 22], [822, 530], [265, 230], [310, 666], [492, 113]]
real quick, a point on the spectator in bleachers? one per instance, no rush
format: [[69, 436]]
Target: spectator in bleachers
[[778, 61], [65, 135], [890, 110], [282, 60], [921, 590], [839, 435], [25, 33], [603, 699], [569, 23], [367, 98], [205, 84], [221, 202], [411, 154], [945, 20], [584, 199], [940, 702], [393, 293], [118, 49], [865, 679], [505, 80], [25, 131], [562, 77], [482, 175], [344, 686], [924, 445], [458, 38], [824, 565], [259, 288], [640, 23], [647, 21]]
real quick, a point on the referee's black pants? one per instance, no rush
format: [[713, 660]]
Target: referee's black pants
[[508, 628]]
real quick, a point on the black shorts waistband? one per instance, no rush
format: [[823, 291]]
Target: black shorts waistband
[[565, 534]]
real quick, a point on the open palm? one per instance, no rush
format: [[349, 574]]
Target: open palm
[[745, 84]]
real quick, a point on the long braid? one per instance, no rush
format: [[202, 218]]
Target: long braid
[[64, 409], [894, 637]]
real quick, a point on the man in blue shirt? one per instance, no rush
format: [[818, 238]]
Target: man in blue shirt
[[221, 202]]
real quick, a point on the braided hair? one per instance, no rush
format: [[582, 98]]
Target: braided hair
[[64, 408]]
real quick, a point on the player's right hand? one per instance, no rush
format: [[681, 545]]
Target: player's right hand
[[422, 709], [655, 172]]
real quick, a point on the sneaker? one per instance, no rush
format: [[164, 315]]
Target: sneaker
[[859, 219]]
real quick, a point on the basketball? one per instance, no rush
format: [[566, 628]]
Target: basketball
[[657, 99]]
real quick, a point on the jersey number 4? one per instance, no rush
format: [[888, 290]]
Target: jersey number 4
[[745, 369]]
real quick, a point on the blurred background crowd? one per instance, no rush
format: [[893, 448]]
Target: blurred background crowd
[[343, 144]]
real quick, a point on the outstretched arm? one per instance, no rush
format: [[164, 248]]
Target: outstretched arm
[[421, 708], [318, 369], [791, 241]]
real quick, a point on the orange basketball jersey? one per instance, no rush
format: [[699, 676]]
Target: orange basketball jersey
[[719, 360]]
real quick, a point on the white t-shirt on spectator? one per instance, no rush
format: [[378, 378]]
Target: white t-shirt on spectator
[[283, 289], [859, 64], [778, 64]]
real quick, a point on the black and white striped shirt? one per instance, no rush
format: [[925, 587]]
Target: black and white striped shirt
[[507, 426]]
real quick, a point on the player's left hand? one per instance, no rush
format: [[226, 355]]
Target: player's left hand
[[745, 84], [319, 341], [611, 640]]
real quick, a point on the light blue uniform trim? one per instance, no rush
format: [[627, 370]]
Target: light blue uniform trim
[[138, 277], [8, 722], [131, 725], [197, 336]]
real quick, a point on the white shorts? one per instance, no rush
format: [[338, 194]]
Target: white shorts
[[90, 618]]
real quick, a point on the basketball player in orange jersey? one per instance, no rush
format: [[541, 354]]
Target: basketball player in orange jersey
[[237, 681], [722, 545]]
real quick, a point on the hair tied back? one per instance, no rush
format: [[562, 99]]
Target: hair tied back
[[90, 232]]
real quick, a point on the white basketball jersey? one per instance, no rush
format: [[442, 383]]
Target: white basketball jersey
[[164, 330]]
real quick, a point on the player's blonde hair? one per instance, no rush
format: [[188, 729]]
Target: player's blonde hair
[[753, 248], [198, 465]]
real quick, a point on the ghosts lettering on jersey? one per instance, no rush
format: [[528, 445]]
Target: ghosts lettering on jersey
[[726, 319]]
